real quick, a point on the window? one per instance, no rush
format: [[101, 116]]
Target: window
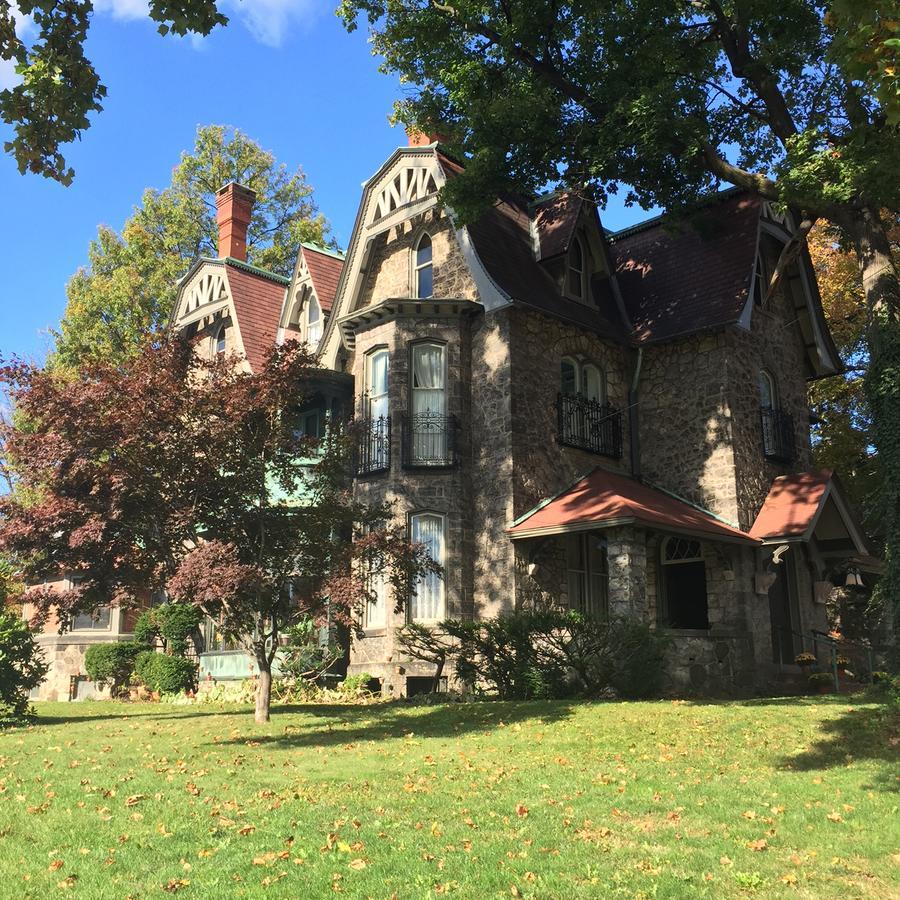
[[576, 269], [685, 603], [585, 418], [427, 601], [96, 620], [309, 424], [428, 423], [313, 321], [220, 340], [423, 271], [375, 449], [587, 574], [568, 377], [593, 384], [375, 611], [768, 395]]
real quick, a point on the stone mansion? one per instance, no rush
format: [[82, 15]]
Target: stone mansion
[[617, 422]]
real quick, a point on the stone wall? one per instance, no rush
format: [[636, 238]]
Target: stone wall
[[774, 343], [686, 421], [541, 465], [389, 270]]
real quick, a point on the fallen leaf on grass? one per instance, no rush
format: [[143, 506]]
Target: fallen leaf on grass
[[521, 810], [758, 846], [55, 865], [834, 817], [175, 884], [356, 864]]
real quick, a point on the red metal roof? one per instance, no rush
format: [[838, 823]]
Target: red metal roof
[[325, 271], [257, 306], [680, 277], [605, 498], [792, 505]]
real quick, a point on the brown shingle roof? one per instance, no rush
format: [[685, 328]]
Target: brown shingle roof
[[676, 282], [257, 306], [502, 239], [555, 219], [325, 271]]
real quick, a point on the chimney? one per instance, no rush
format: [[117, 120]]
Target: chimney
[[419, 138], [233, 205]]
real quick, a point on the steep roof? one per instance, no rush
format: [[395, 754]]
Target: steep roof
[[257, 298], [792, 504], [325, 271], [555, 218], [603, 498], [503, 242], [677, 278]]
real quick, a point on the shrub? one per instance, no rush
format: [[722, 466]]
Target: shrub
[[112, 663], [163, 673], [173, 622], [819, 679], [22, 668], [304, 657], [355, 685], [545, 654]]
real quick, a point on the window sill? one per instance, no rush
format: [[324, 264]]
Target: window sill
[[381, 631]]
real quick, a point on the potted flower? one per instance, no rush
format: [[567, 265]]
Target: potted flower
[[805, 660], [843, 662], [821, 682]]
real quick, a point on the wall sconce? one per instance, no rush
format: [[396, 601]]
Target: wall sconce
[[532, 568], [854, 579]]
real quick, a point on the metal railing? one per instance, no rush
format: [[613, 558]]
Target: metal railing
[[373, 446], [824, 648], [589, 425], [777, 434], [429, 440]]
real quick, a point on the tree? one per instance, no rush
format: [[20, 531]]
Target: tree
[[22, 667], [842, 438], [128, 288], [60, 87], [673, 98], [161, 476]]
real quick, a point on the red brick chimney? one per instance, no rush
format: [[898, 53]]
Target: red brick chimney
[[233, 205], [418, 138]]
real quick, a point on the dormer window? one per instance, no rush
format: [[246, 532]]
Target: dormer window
[[760, 281], [313, 322], [423, 271], [576, 271], [220, 341]]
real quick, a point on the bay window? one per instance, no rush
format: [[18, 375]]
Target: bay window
[[427, 603]]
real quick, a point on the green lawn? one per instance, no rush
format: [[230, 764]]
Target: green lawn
[[788, 797]]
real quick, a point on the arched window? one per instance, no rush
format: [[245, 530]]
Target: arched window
[[423, 271], [220, 342], [593, 384], [428, 426], [427, 603], [576, 268], [313, 321], [376, 444], [685, 603], [768, 392], [568, 378]]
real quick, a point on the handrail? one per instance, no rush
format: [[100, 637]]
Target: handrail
[[832, 644]]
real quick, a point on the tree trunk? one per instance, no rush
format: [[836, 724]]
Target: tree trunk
[[263, 688], [881, 288]]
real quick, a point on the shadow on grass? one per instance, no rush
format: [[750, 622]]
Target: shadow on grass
[[87, 713], [338, 725]]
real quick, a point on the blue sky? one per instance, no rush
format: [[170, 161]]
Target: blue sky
[[284, 71]]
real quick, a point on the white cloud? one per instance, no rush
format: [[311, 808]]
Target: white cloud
[[25, 29], [125, 10], [269, 21]]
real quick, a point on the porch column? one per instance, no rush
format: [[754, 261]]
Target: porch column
[[627, 559]]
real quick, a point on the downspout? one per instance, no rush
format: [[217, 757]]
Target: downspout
[[634, 421]]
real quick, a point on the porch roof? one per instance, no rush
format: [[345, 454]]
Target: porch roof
[[602, 499], [809, 504]]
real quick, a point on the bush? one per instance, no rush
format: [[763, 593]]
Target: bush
[[163, 673], [112, 663], [304, 657], [820, 679], [173, 622], [22, 668], [546, 654], [355, 685]]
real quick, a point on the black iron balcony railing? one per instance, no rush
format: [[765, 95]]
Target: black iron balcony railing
[[589, 425], [777, 435], [429, 440], [373, 448]]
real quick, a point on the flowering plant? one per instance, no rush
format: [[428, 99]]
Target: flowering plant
[[805, 659]]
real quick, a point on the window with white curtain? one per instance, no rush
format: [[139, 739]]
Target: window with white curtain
[[428, 420], [423, 270], [587, 574], [377, 410], [313, 321], [375, 612], [593, 383], [427, 604]]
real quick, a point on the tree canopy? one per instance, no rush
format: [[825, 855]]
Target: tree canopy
[[128, 287], [60, 87], [795, 101], [166, 475]]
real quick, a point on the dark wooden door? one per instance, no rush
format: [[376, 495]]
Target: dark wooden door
[[781, 606]]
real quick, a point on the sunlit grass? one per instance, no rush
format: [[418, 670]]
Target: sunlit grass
[[769, 798]]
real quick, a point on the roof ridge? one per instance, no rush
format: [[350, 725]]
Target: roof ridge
[[703, 201], [693, 505], [325, 251], [253, 270]]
